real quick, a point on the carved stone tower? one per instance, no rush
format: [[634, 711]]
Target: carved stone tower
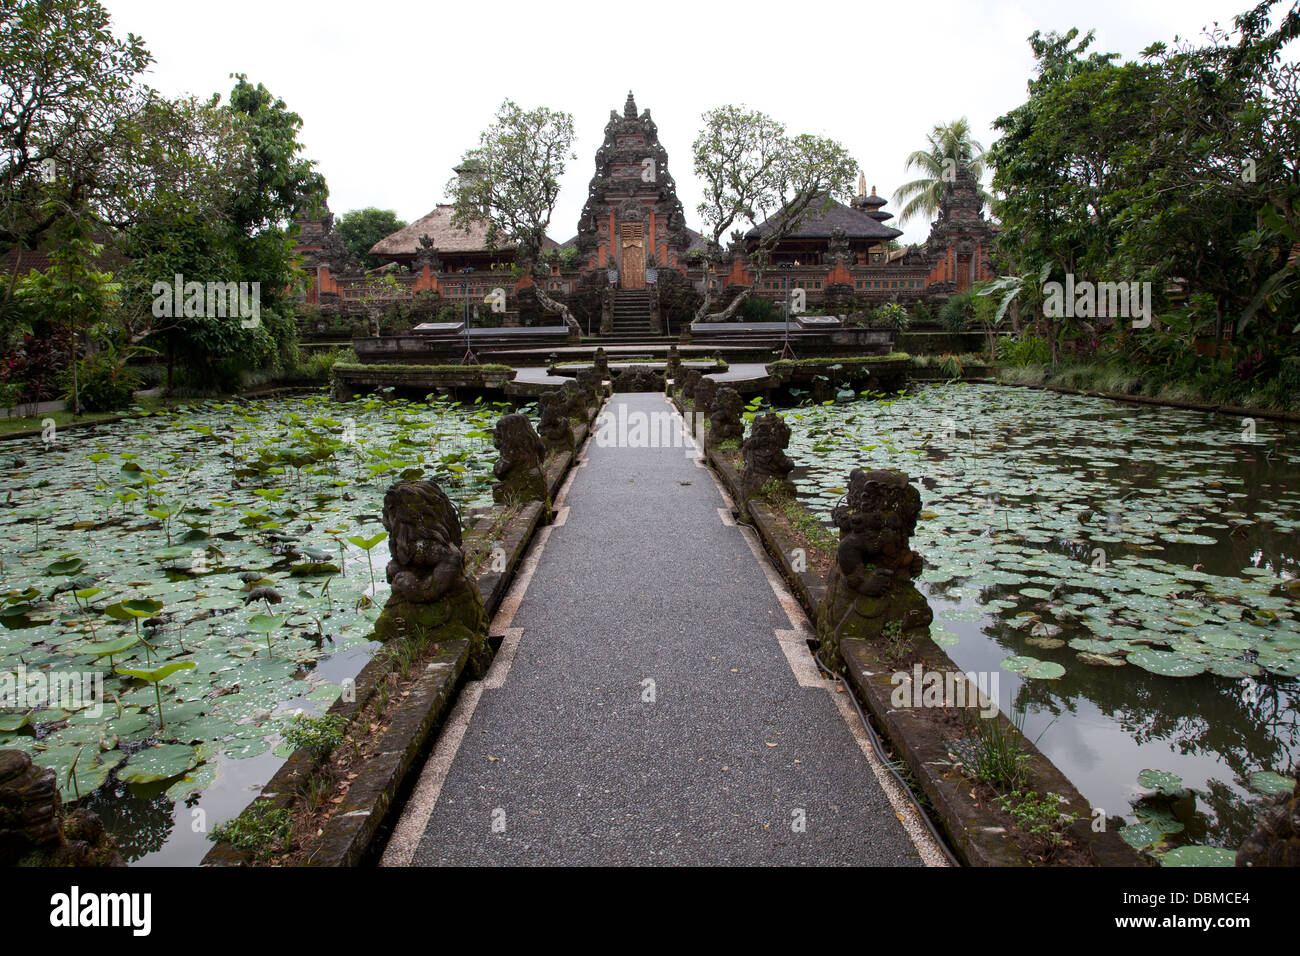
[[632, 217], [961, 239]]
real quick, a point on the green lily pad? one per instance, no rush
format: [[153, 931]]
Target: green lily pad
[[1199, 856], [1167, 663], [1271, 784], [159, 763]]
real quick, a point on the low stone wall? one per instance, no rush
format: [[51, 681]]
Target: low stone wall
[[351, 379]]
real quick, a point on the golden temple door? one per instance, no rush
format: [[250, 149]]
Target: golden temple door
[[632, 255]]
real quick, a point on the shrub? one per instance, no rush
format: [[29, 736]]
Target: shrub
[[319, 735], [103, 382], [1026, 349], [957, 312], [260, 830], [891, 315], [34, 366]]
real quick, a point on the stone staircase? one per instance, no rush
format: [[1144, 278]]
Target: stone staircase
[[631, 315]]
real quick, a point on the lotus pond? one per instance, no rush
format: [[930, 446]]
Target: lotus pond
[[218, 567], [1131, 574]]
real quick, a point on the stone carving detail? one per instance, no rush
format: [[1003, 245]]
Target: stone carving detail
[[725, 422], [601, 362], [427, 255], [764, 455], [593, 383], [674, 367], [705, 391], [638, 379], [631, 137], [553, 424], [690, 378], [423, 540], [870, 587], [575, 401], [837, 247], [33, 828], [433, 594], [522, 452], [1276, 840]]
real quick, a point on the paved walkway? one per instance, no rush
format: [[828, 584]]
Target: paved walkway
[[567, 754]]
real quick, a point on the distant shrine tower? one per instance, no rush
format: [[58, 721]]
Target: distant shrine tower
[[632, 218]]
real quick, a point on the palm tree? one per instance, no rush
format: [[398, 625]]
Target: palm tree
[[950, 146]]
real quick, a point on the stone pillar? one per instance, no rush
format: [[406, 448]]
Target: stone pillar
[[432, 592], [870, 589]]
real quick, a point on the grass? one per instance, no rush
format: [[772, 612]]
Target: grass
[[320, 735], [355, 366], [991, 752], [1119, 381], [898, 645], [805, 525], [261, 830], [9, 426], [825, 361]]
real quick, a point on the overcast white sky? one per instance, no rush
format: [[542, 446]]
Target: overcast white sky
[[392, 93]]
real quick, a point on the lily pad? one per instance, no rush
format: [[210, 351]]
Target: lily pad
[[159, 763]]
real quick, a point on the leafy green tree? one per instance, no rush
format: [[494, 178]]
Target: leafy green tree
[[511, 180], [362, 228], [755, 172], [73, 292], [236, 228], [68, 96], [1179, 169], [950, 146]]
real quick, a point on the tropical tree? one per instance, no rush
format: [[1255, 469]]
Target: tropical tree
[[362, 228], [1180, 169], [68, 96], [754, 173], [511, 181], [950, 146]]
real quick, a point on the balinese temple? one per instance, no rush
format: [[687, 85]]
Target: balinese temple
[[860, 225], [633, 227], [632, 217]]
